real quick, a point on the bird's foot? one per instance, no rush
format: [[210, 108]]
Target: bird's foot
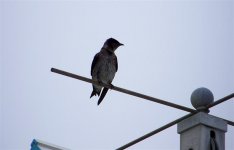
[[100, 82], [111, 86]]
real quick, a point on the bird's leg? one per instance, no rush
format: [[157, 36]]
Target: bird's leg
[[99, 82], [111, 86]]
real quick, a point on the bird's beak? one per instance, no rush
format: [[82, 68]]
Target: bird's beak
[[120, 44]]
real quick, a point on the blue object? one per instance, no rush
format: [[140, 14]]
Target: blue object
[[34, 145]]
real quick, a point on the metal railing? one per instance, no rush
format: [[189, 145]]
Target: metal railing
[[146, 97]]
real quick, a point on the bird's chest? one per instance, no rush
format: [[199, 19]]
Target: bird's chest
[[107, 69]]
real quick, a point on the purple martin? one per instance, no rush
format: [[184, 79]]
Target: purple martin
[[104, 67]]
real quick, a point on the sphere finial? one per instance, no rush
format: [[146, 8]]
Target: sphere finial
[[201, 97]]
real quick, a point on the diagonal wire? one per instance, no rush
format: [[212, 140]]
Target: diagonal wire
[[220, 101], [155, 131], [228, 97], [161, 129], [150, 99], [177, 121], [123, 90], [229, 122]]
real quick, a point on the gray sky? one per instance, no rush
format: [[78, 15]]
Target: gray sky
[[171, 48]]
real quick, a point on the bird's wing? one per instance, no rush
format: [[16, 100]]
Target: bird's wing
[[95, 60], [116, 63]]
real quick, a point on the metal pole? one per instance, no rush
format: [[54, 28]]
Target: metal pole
[[231, 123], [177, 121], [123, 90], [155, 131], [161, 129], [220, 100], [150, 99]]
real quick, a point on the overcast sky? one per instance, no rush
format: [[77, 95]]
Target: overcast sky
[[171, 48]]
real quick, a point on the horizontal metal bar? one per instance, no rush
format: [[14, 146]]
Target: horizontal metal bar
[[161, 129], [150, 99], [155, 131], [229, 122], [178, 120], [229, 97], [123, 90], [220, 100]]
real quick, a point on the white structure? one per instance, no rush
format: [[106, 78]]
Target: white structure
[[41, 145], [202, 131]]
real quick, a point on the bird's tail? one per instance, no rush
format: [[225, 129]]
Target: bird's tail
[[92, 94], [95, 92], [104, 91]]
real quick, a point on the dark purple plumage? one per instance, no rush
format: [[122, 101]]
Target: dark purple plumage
[[104, 67]]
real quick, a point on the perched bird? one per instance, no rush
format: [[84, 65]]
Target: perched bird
[[104, 67]]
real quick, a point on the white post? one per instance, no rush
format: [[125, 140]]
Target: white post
[[202, 131]]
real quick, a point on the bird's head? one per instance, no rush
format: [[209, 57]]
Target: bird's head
[[112, 44]]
